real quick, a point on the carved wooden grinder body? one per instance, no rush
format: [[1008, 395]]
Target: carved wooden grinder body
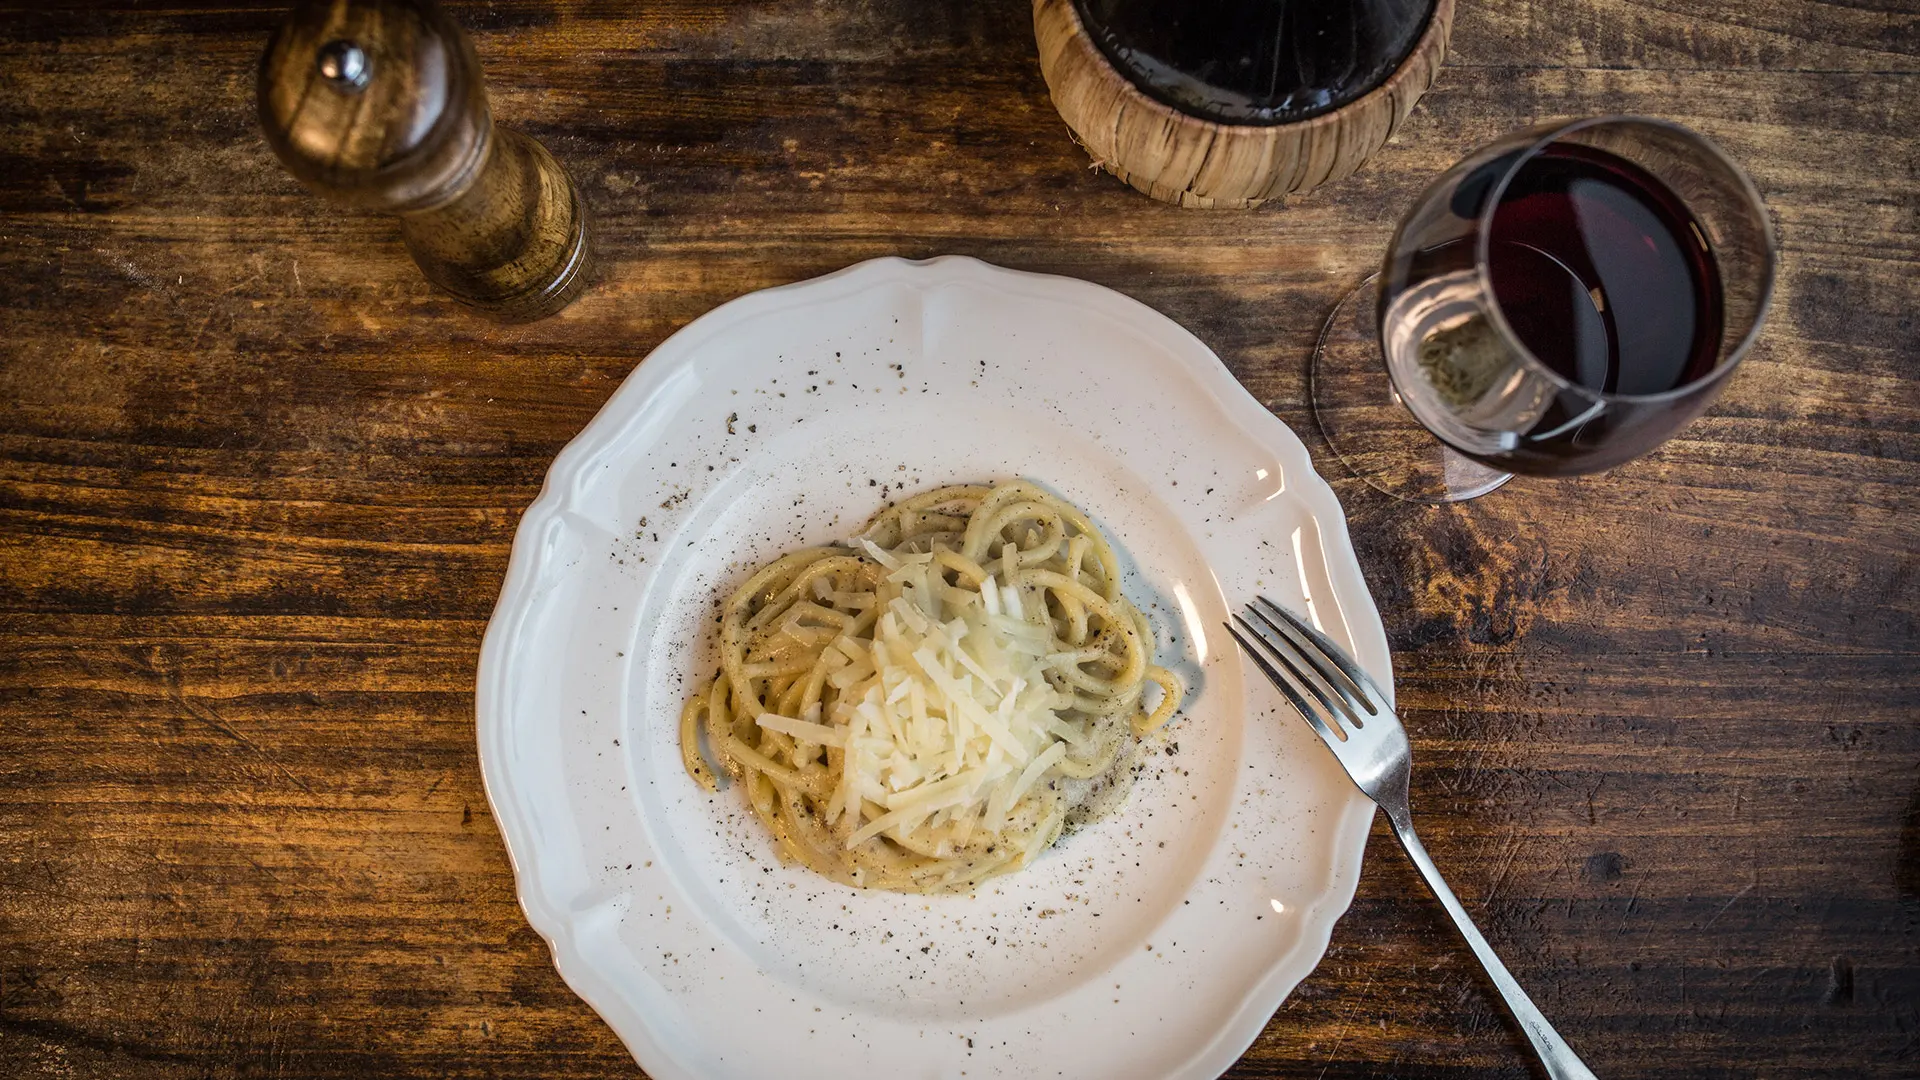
[[380, 105]]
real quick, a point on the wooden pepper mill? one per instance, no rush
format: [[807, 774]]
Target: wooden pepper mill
[[379, 104]]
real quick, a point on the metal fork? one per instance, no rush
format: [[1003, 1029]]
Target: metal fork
[[1350, 712]]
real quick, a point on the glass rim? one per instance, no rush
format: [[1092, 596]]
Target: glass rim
[[1482, 265]]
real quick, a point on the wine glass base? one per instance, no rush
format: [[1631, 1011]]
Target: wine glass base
[[1370, 429]]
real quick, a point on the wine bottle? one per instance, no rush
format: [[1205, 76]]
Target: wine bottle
[[1232, 102]]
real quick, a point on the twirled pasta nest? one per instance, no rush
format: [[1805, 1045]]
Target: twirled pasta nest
[[912, 711]]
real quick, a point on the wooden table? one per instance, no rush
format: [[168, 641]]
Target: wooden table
[[258, 483]]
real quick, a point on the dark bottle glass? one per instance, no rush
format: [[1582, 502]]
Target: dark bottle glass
[[1256, 61]]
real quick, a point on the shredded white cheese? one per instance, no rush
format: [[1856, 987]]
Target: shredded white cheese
[[947, 716]]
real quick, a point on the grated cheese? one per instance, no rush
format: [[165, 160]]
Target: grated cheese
[[952, 718]]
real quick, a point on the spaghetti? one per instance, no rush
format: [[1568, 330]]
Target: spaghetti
[[919, 710]]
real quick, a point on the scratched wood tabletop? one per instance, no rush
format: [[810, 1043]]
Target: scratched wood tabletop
[[258, 483]]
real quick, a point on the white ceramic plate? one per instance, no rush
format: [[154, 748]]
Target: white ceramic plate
[[1155, 943]]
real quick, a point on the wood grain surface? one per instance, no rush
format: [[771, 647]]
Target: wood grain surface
[[258, 482]]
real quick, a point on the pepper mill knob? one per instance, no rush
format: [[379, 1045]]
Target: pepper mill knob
[[380, 105]]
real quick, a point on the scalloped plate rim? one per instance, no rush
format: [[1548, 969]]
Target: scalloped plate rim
[[1237, 1031]]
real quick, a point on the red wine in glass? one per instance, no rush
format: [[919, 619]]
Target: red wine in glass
[[1602, 273], [1565, 299]]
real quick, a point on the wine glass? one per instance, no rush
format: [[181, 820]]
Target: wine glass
[[1562, 300]]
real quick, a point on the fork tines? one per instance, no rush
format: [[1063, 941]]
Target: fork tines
[[1325, 684]]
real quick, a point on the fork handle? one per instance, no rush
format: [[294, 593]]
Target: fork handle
[[1561, 1062]]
